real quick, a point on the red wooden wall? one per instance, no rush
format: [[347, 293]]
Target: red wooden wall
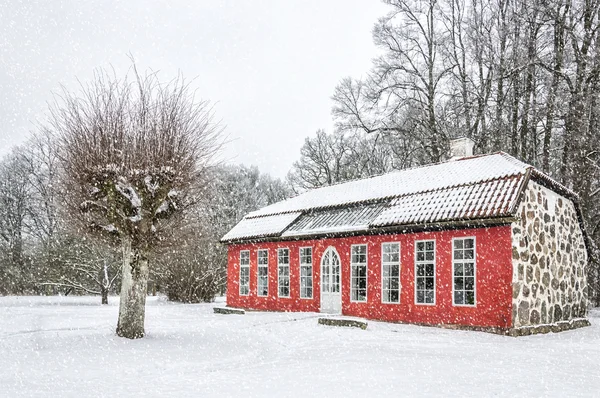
[[493, 278]]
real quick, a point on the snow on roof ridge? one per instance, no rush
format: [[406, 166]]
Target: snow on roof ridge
[[319, 194], [513, 160]]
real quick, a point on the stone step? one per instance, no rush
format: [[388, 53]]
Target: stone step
[[343, 322], [228, 311], [547, 328]]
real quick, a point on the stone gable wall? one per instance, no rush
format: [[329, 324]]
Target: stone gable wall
[[549, 260]]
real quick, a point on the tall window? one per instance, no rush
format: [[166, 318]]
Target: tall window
[[425, 272], [390, 269], [283, 267], [463, 264], [263, 273], [358, 265], [306, 272], [244, 272]]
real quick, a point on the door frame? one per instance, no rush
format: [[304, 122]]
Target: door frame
[[333, 250]]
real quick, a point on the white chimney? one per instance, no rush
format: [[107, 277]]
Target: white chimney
[[461, 148]]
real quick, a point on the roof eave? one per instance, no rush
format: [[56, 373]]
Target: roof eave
[[381, 230]]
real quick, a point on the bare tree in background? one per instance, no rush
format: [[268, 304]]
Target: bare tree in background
[[410, 72], [332, 158], [521, 76], [81, 266], [197, 270], [14, 194], [133, 157], [323, 161], [39, 160]]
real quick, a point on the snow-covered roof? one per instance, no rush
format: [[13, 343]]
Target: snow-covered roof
[[332, 220], [487, 199], [477, 187], [261, 226], [402, 182]]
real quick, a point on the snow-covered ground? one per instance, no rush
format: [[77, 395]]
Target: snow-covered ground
[[66, 347]]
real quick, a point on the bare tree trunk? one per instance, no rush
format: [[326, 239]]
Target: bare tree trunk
[[104, 293], [516, 83], [134, 287], [559, 49], [529, 90], [458, 54], [500, 125], [104, 282], [514, 137]]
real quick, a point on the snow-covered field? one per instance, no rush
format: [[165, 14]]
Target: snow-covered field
[[66, 347]]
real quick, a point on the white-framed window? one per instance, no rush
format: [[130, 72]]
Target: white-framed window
[[244, 272], [283, 272], [390, 272], [425, 272], [306, 273], [263, 273], [358, 277], [463, 271]]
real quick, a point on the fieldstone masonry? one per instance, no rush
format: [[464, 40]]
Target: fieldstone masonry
[[549, 260]]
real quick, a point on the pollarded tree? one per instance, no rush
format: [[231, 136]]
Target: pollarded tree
[[134, 154]]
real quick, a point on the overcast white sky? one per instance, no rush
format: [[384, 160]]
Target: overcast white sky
[[271, 66]]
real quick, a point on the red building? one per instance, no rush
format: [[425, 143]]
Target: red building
[[484, 242]]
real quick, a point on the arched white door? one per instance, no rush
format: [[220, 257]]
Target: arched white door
[[331, 297]]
